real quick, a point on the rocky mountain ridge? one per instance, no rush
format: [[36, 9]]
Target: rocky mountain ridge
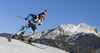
[[67, 30]]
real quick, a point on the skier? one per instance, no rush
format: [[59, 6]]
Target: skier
[[32, 23]]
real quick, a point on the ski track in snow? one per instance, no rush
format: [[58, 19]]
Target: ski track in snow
[[16, 46]]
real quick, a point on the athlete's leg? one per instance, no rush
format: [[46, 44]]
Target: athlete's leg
[[23, 30], [34, 29]]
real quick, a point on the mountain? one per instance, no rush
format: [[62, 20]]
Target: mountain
[[5, 35], [89, 40], [79, 28], [16, 46], [81, 38], [70, 37], [66, 30], [86, 42]]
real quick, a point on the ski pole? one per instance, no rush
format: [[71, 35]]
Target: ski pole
[[21, 17], [24, 18]]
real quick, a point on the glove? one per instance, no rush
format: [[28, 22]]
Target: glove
[[39, 24], [25, 18]]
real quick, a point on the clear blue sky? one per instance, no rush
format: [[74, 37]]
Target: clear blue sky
[[59, 12]]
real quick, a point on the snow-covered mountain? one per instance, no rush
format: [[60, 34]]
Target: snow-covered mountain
[[83, 41], [16, 46], [79, 28], [67, 29]]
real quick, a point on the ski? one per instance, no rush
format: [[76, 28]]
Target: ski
[[37, 46], [24, 41], [30, 43]]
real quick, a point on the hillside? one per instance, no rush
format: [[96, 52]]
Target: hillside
[[16, 46]]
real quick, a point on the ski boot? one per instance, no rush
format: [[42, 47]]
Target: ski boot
[[15, 36], [21, 37], [30, 41]]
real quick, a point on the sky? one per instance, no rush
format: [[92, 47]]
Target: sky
[[59, 12]]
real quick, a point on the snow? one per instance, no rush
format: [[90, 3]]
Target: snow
[[79, 28], [16, 46]]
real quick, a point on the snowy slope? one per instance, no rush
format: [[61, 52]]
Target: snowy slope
[[19, 47]]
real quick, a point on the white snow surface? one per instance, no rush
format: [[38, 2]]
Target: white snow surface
[[79, 28], [16, 46]]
